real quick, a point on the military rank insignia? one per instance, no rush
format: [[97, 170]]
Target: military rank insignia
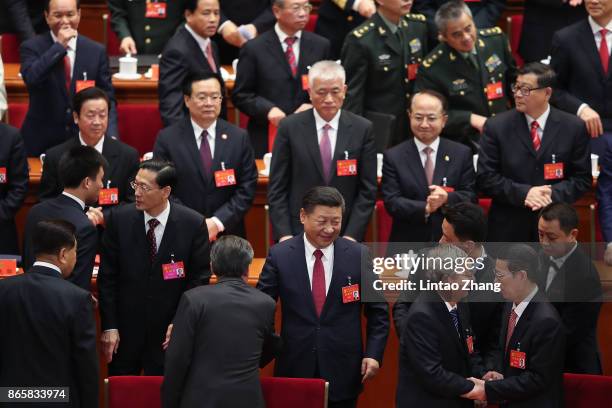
[[493, 62], [415, 45]]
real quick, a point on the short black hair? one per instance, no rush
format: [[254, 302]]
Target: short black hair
[[50, 236], [468, 221], [47, 2], [546, 76], [88, 94], [520, 257], [192, 5], [564, 213], [78, 163], [197, 77], [166, 173], [231, 256], [322, 195], [432, 93]]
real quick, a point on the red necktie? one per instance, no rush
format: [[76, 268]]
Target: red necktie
[[210, 58], [153, 223], [67, 72], [291, 55], [511, 325], [318, 282], [205, 154], [429, 167], [325, 150], [535, 138], [604, 55]]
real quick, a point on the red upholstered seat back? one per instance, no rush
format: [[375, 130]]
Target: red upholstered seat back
[[587, 391], [294, 392], [10, 48], [139, 124], [312, 23], [17, 112], [134, 392]]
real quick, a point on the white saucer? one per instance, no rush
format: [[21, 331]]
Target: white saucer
[[127, 77], [265, 172]]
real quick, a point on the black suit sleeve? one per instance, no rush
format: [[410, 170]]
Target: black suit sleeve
[[119, 18], [268, 279], [354, 59], [245, 95], [264, 20], [199, 272], [108, 275], [17, 179], [86, 254], [83, 352], [580, 178], [560, 62], [173, 70], [50, 185], [377, 316], [272, 343], [397, 205], [20, 18], [35, 69], [278, 186]]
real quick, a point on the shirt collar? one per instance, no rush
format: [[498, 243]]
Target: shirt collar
[[391, 26], [560, 261], [596, 28], [198, 130], [48, 265], [98, 146], [75, 198], [71, 43], [309, 248], [541, 120], [434, 145], [202, 42], [320, 122], [449, 306], [282, 35], [520, 308], [162, 217]]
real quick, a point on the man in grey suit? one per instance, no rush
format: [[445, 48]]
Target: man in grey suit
[[221, 335]]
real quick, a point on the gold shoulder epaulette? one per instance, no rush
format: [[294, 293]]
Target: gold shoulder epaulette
[[488, 32], [415, 17], [363, 29], [432, 58]]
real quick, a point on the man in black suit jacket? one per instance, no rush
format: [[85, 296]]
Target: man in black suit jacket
[[199, 185], [531, 343], [268, 87], [303, 139], [437, 352], [548, 163], [14, 177], [24, 17], [54, 66], [423, 174], [233, 320], [81, 171], [189, 51], [54, 318], [571, 282], [321, 327], [152, 251], [91, 110]]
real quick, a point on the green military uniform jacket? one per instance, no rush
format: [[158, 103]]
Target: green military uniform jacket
[[447, 71], [377, 67], [150, 34]]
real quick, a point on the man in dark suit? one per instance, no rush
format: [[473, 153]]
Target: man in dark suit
[[423, 174], [14, 178], [320, 280], [272, 77], [54, 66], [231, 319], [206, 151], [152, 251], [549, 162], [81, 171], [24, 17], [189, 51], [3, 102], [91, 110], [338, 143], [55, 319], [532, 342], [571, 282], [437, 351]]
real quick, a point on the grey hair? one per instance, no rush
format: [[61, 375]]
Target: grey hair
[[326, 70], [437, 259], [231, 256], [448, 12]]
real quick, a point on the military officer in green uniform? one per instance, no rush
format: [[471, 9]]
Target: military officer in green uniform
[[144, 26], [381, 58], [474, 70]]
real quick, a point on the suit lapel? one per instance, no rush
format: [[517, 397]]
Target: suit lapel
[[338, 279], [276, 49], [166, 245], [311, 138], [139, 236], [77, 70], [342, 141], [590, 48], [301, 270], [446, 319], [189, 143], [305, 50], [521, 325], [441, 168], [523, 133], [416, 167], [110, 153], [552, 129], [59, 71], [220, 145]]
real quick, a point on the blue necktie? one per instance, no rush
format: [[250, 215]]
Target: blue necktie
[[455, 318]]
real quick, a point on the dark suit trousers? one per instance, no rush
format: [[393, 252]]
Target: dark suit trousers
[[133, 365]]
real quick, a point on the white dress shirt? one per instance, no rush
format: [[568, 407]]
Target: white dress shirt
[[541, 122], [71, 50], [434, 147], [327, 259], [197, 132], [98, 146], [163, 221], [552, 272], [48, 265], [332, 133], [75, 198], [3, 103], [520, 308], [296, 45], [202, 42]]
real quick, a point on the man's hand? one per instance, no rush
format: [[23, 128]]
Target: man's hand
[[231, 35], [128, 46], [110, 344], [478, 392], [538, 197], [251, 29], [366, 8], [592, 120], [168, 335], [477, 122], [608, 255], [492, 375], [213, 229], [285, 237], [369, 368], [65, 34], [275, 115], [95, 215], [437, 198], [575, 3], [303, 107]]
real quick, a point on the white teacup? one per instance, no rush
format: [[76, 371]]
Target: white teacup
[[128, 65], [267, 159], [379, 164], [594, 163]]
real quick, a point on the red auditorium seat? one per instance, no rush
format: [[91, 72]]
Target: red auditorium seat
[[139, 124], [312, 23], [10, 48], [587, 391], [133, 391], [294, 392], [17, 112], [514, 29]]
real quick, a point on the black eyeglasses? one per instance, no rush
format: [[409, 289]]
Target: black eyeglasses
[[525, 90]]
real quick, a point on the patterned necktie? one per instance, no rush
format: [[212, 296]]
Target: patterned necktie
[[205, 154], [290, 55], [429, 166], [511, 325], [67, 72], [604, 55], [535, 137], [455, 318], [326, 156], [153, 223], [209, 57], [318, 282]]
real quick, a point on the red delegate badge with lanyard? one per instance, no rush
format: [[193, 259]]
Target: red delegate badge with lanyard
[[225, 177], [346, 167], [173, 270], [554, 170], [108, 195], [156, 9], [350, 293], [3, 178]]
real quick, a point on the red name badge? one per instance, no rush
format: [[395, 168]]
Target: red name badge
[[225, 178], [412, 71], [80, 85], [448, 189], [495, 91], [518, 359], [3, 178], [108, 196], [553, 171], [350, 293], [174, 270], [469, 341], [8, 267], [156, 10], [304, 82], [346, 167]]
